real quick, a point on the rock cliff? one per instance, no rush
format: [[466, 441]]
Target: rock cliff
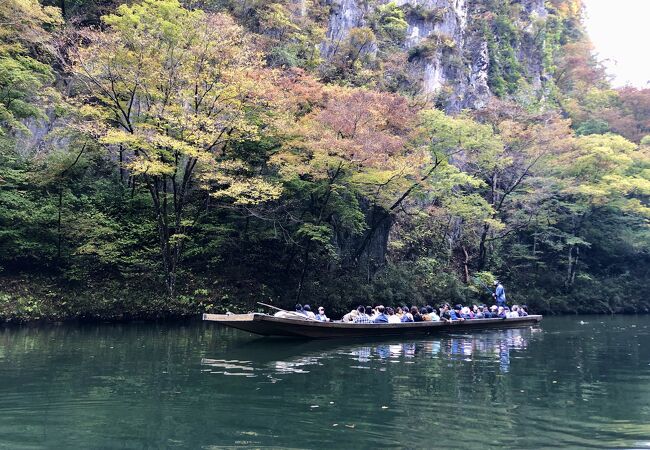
[[457, 48]]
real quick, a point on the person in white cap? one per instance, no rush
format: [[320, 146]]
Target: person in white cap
[[321, 315]]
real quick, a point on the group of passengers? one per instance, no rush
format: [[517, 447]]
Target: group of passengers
[[307, 312], [445, 313]]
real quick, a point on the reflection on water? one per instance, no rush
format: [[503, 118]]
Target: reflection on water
[[567, 383], [488, 345]]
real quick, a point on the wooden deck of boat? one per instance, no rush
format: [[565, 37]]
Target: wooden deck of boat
[[275, 326]]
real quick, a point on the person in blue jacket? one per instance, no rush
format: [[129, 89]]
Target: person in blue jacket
[[499, 293], [381, 317], [486, 313], [454, 314]]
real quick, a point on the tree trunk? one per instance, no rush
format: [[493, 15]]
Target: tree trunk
[[388, 213], [574, 253], [466, 265], [60, 205], [153, 183], [482, 248], [303, 273], [536, 266], [58, 226], [321, 216], [121, 155]]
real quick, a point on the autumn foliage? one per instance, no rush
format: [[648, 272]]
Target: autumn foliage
[[218, 154]]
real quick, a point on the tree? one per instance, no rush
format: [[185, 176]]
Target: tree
[[390, 23], [181, 90], [603, 172], [347, 160], [466, 148], [519, 187], [24, 79]]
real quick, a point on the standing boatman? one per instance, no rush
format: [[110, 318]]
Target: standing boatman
[[499, 293]]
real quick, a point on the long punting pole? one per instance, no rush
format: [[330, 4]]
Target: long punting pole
[[288, 312], [271, 306]]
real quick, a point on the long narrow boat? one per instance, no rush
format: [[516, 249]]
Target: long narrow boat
[[267, 325]]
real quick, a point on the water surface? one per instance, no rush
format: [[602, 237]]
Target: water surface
[[572, 382]]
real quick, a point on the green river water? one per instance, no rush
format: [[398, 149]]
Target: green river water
[[570, 382]]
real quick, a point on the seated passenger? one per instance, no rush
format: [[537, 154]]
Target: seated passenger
[[399, 313], [308, 312], [349, 317], [431, 314], [445, 313], [417, 317], [512, 314], [466, 313], [380, 317], [501, 312], [454, 314], [478, 314], [300, 309], [321, 315], [362, 317], [371, 313], [392, 317], [523, 311], [407, 316], [425, 314]]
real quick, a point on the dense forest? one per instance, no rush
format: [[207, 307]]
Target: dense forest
[[163, 158]]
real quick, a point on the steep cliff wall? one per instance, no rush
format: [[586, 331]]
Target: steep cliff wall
[[460, 51]]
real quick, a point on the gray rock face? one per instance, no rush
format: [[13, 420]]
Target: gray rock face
[[344, 15], [38, 139], [478, 91], [459, 71], [535, 8]]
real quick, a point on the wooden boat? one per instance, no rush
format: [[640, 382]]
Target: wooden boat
[[267, 325]]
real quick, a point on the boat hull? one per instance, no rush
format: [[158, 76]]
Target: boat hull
[[266, 325]]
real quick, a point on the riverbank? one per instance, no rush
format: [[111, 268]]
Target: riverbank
[[30, 298]]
